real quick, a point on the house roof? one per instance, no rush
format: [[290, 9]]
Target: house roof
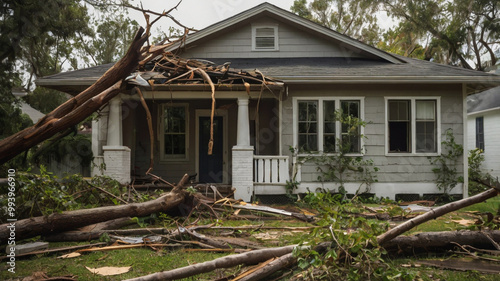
[[484, 101], [268, 10], [377, 66]]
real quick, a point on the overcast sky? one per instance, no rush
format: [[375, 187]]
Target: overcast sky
[[199, 14]]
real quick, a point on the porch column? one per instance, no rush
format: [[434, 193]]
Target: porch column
[[116, 156], [243, 155]]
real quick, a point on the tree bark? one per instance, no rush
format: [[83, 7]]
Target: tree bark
[[443, 240], [59, 222], [270, 268], [78, 108], [252, 257], [89, 232], [398, 230]]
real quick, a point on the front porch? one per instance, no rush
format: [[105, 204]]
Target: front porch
[[242, 135]]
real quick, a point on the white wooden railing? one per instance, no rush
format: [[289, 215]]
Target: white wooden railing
[[270, 169]]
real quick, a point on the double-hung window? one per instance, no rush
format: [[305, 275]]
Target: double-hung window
[[412, 125], [174, 141], [319, 128]]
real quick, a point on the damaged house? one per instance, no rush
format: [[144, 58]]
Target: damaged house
[[259, 133]]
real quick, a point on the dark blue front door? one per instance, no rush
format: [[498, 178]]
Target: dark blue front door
[[210, 166]]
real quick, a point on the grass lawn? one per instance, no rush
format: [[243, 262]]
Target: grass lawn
[[145, 261]]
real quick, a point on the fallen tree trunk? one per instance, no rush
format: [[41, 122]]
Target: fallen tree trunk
[[59, 222], [252, 257], [434, 213], [442, 240], [89, 232]]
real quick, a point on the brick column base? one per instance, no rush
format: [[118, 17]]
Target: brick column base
[[117, 161]]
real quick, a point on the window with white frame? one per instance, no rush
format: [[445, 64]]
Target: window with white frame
[[318, 128], [412, 125], [174, 141], [265, 38], [480, 133]]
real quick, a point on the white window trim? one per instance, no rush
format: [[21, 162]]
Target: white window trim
[[276, 37], [413, 126], [164, 157], [338, 126]]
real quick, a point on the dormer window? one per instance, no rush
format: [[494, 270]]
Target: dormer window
[[265, 38]]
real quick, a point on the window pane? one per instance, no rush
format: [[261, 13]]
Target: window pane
[[399, 126], [329, 143], [480, 133], [426, 110], [329, 111], [264, 42], [264, 32], [426, 136], [308, 125], [399, 110], [265, 38], [174, 130], [350, 131]]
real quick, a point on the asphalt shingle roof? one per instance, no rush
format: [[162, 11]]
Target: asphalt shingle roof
[[485, 100]]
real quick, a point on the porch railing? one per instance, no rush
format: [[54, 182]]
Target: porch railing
[[271, 169]]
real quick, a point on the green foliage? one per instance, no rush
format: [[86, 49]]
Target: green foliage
[[77, 148], [353, 253], [355, 18], [45, 100], [475, 160], [44, 193], [342, 166], [446, 163], [458, 32]]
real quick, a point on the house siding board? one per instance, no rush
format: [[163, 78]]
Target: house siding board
[[392, 168], [292, 43], [491, 125]]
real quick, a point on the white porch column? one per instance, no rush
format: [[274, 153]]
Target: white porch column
[[243, 131], [243, 155], [116, 156], [115, 122]]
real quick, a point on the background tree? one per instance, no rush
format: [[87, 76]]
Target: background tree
[[463, 32], [355, 18]]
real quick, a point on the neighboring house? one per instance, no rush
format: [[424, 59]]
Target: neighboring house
[[483, 126], [408, 103]]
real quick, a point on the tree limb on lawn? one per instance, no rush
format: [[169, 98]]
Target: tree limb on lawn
[[252, 257], [64, 221], [434, 213]]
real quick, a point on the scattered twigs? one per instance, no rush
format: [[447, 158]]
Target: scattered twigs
[[270, 210], [108, 193], [473, 255], [491, 240]]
